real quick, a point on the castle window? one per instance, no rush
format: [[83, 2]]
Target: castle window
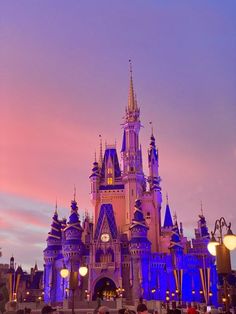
[[109, 181], [109, 171]]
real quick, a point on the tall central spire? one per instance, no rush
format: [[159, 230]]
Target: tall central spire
[[132, 111], [132, 106]]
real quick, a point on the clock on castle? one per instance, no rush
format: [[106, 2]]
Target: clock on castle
[[128, 245]]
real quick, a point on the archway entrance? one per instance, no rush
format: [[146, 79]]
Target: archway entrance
[[105, 289]]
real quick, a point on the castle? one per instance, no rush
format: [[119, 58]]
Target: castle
[[127, 250]]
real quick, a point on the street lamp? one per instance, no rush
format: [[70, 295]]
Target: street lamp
[[83, 270], [73, 281], [221, 249]]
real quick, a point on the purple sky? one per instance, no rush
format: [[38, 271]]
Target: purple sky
[[64, 81]]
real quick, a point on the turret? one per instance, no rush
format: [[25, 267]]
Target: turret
[[133, 176], [95, 180], [175, 241], [153, 179], [53, 240], [132, 162], [51, 253], [139, 242], [140, 248], [73, 247]]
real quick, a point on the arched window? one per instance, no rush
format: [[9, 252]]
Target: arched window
[[110, 255], [99, 256]]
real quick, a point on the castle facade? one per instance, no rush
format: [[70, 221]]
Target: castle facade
[[129, 252]]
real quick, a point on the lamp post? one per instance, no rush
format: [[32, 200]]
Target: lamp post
[[73, 281], [221, 249]]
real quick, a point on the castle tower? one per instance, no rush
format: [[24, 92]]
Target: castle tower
[[153, 166], [51, 292], [156, 196], [73, 248], [133, 176], [140, 248], [95, 182]]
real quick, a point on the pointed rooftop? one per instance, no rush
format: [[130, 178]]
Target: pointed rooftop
[[132, 104], [132, 110], [55, 231], [95, 169], [106, 212], [111, 154], [168, 219]]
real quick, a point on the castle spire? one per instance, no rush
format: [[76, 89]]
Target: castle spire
[[100, 152], [132, 110], [168, 219], [131, 101]]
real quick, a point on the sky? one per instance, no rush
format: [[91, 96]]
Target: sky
[[64, 80]]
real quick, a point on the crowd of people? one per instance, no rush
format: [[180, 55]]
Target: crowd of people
[[141, 309]]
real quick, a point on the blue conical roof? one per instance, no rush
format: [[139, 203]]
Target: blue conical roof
[[106, 210], [168, 219], [55, 231], [74, 221], [111, 153], [95, 170]]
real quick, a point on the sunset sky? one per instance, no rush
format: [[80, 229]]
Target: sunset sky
[[64, 80]]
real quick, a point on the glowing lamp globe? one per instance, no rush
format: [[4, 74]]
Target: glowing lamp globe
[[211, 246], [64, 273], [83, 270], [230, 240]]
